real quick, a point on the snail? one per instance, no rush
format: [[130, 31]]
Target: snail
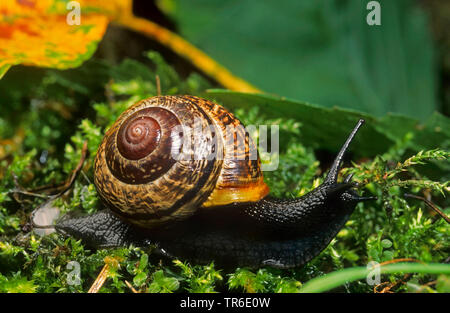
[[170, 176]]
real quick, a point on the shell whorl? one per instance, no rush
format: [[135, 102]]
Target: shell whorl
[[138, 136], [164, 178], [140, 149]]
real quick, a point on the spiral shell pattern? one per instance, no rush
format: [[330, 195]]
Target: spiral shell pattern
[[153, 166]]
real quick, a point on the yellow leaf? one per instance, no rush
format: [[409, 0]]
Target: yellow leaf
[[46, 33], [50, 33]]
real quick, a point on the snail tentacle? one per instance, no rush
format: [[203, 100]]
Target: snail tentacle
[[334, 170], [318, 207]]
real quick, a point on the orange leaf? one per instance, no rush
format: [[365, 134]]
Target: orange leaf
[[45, 32]]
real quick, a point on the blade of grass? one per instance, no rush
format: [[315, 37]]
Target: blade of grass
[[335, 279]]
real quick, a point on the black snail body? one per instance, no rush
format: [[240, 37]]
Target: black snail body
[[202, 208]]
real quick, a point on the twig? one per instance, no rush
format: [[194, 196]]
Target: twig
[[158, 85], [376, 287], [182, 47], [20, 190], [67, 185], [100, 280], [110, 264], [394, 284], [430, 204], [28, 193], [131, 287], [76, 171], [399, 260], [109, 93], [47, 188]]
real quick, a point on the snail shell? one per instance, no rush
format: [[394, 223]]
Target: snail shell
[[167, 156]]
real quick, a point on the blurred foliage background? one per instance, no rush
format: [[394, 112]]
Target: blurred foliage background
[[324, 52], [321, 51]]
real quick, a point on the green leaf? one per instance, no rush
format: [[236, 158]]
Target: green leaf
[[139, 279], [143, 262], [321, 51], [386, 243], [326, 128], [4, 69], [161, 283]]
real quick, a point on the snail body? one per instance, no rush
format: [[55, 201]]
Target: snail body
[[170, 174]]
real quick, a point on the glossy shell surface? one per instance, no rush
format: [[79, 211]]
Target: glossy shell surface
[[167, 156]]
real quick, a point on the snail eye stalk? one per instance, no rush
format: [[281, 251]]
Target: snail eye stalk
[[334, 170]]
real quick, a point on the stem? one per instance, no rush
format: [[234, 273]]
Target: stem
[[430, 204], [186, 50]]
